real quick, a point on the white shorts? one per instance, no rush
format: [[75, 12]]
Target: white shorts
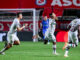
[[72, 37], [50, 36], [12, 37]]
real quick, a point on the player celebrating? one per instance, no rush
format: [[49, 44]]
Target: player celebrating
[[72, 36], [11, 36], [49, 35]]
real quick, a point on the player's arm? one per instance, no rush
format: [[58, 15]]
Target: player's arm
[[20, 28], [55, 17], [70, 24]]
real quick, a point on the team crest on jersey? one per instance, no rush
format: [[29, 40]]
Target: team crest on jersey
[[40, 2]]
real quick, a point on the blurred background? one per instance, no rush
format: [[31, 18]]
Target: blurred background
[[65, 10]]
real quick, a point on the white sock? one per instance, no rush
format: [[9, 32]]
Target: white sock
[[54, 48], [66, 53], [71, 45]]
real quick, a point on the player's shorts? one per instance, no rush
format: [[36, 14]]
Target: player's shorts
[[50, 36], [44, 31], [72, 37], [12, 37]]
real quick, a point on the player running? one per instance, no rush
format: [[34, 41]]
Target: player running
[[72, 36], [11, 35], [49, 35]]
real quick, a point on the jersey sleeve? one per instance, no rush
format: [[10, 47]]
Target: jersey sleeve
[[17, 24], [72, 23]]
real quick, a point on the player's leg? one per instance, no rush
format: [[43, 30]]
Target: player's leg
[[71, 39], [9, 43], [48, 41], [66, 51], [40, 35], [54, 47], [76, 38], [16, 40], [67, 47], [46, 37], [8, 46], [43, 32], [45, 41], [54, 44]]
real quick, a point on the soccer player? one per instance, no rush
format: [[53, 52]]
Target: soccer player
[[11, 36], [72, 36], [49, 35], [45, 25]]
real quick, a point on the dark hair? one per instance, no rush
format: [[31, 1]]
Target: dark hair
[[18, 14], [50, 14]]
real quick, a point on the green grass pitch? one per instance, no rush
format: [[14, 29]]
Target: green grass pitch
[[38, 51]]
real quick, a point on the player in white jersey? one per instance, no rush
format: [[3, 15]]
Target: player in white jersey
[[11, 35], [72, 36], [49, 35]]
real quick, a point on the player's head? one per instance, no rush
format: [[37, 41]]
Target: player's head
[[45, 17], [19, 15], [52, 15]]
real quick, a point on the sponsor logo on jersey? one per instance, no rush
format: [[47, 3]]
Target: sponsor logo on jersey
[[40, 2]]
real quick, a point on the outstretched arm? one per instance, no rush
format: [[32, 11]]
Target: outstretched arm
[[20, 28], [55, 17]]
